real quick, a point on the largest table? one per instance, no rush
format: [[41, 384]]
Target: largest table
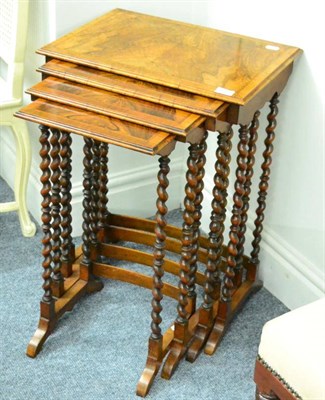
[[144, 83]]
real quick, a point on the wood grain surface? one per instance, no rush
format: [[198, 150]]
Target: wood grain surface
[[176, 54], [133, 87], [99, 127], [116, 105]]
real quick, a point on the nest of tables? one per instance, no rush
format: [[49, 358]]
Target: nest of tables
[[145, 83]]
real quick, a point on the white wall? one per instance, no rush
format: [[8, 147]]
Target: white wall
[[39, 33], [292, 259]]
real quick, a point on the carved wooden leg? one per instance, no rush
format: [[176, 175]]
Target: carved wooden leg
[[249, 174], [263, 185], [94, 192], [181, 332], [68, 249], [88, 220], [86, 202], [224, 308], [228, 284], [94, 202], [212, 285], [47, 303], [155, 351], [191, 306], [57, 279], [103, 189]]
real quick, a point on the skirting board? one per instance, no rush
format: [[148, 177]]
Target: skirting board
[[285, 272], [132, 191]]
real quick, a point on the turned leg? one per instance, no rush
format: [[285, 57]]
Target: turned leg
[[230, 275], [218, 215], [181, 333], [86, 205], [191, 307], [94, 198], [57, 278], [228, 284], [103, 189], [247, 187], [56, 168], [89, 219], [67, 246], [155, 351], [264, 179], [47, 302]]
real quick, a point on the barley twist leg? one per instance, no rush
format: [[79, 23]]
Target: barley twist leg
[[191, 307], [264, 179], [249, 174], [58, 281], [68, 249], [218, 214], [103, 189], [224, 308], [181, 333], [88, 228], [155, 352], [47, 303]]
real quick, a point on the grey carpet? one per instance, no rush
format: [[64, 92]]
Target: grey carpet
[[98, 350]]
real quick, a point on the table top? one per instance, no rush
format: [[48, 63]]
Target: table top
[[115, 105], [134, 88], [196, 59], [99, 127]]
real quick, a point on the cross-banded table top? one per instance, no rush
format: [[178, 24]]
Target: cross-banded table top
[[193, 58]]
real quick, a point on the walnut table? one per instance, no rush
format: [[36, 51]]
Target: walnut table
[[144, 83]]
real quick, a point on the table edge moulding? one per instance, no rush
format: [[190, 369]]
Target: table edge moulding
[[173, 35], [109, 90]]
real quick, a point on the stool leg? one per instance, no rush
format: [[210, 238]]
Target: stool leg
[[264, 396], [264, 185], [47, 302], [68, 248], [181, 332], [218, 215], [57, 279], [89, 219], [191, 307], [247, 187], [103, 189], [156, 351]]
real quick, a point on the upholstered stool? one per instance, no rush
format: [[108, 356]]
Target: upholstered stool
[[291, 355]]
